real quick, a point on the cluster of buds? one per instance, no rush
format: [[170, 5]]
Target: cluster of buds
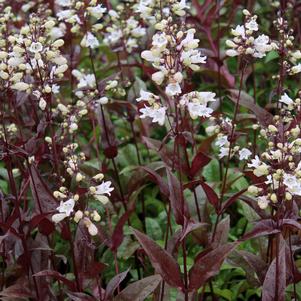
[[151, 11], [30, 60], [73, 160], [99, 189], [122, 29], [71, 115], [246, 41], [222, 128], [81, 14], [174, 50], [66, 210], [285, 47], [280, 164]]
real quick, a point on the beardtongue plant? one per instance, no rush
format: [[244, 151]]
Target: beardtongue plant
[[134, 164]]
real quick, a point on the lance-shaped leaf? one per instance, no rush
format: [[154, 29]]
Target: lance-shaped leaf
[[211, 195], [198, 162], [158, 180], [232, 200], [208, 265], [247, 101], [176, 199], [262, 228], [114, 283], [139, 290], [56, 275], [163, 263], [275, 280]]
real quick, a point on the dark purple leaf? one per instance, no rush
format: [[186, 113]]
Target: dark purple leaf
[[80, 297], [262, 228], [211, 196], [198, 162], [49, 273], [176, 199], [117, 236], [208, 265], [139, 290], [163, 263], [247, 101], [114, 283], [232, 199], [275, 280]]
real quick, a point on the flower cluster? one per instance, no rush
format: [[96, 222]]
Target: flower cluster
[[285, 47], [122, 29], [152, 11], [279, 166], [78, 15], [246, 41], [174, 51], [30, 59], [68, 202]]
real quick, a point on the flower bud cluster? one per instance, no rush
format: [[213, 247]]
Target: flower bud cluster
[[123, 30], [279, 166], [174, 52], [246, 41], [30, 59], [82, 14]]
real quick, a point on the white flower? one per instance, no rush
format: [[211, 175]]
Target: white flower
[[263, 202], [159, 40], [260, 168], [296, 69], [58, 32], [104, 188], [173, 89], [190, 42], [223, 152], [147, 96], [58, 217], [66, 207], [222, 141], [65, 14], [55, 88], [179, 7], [150, 56], [114, 36], [138, 32], [244, 154], [196, 109], [92, 229], [239, 31], [64, 2], [89, 40], [252, 25], [261, 46], [42, 104], [113, 13], [286, 99], [97, 11], [157, 114], [158, 77], [192, 57], [292, 183], [21, 86], [87, 80], [255, 162], [232, 52], [36, 47]]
